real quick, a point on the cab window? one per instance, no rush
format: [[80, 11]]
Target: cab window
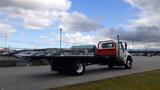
[[121, 48], [107, 46]]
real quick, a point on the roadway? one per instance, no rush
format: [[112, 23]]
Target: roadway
[[40, 77]]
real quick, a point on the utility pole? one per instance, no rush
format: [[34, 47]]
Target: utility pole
[[60, 38]]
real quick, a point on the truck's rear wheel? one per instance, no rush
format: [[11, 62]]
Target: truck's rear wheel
[[128, 64], [77, 68], [110, 66], [61, 71]]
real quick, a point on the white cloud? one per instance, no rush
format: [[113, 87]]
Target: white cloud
[[36, 14], [39, 14], [145, 5], [45, 40], [37, 21], [149, 12], [137, 34], [145, 28], [78, 22], [78, 38], [53, 5], [43, 37], [6, 29]]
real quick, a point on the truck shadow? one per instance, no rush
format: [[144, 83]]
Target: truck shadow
[[89, 71], [103, 70]]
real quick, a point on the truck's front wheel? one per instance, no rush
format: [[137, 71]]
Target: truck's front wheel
[[77, 68], [128, 64]]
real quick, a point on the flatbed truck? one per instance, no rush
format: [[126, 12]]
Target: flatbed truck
[[111, 53]]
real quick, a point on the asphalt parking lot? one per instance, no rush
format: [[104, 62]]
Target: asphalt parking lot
[[41, 78]]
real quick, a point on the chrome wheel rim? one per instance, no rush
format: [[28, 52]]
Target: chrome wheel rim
[[79, 68], [129, 63]]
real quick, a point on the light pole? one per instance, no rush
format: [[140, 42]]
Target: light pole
[[133, 44], [60, 38]]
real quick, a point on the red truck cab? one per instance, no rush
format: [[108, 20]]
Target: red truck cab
[[107, 48]]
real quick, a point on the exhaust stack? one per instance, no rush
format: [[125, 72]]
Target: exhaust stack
[[118, 47]]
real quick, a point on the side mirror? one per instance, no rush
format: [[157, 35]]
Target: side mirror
[[125, 46]]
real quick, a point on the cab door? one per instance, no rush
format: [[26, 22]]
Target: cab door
[[121, 52]]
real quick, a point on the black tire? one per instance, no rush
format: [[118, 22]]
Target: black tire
[[110, 66], [61, 71], [128, 64], [58, 67], [77, 68]]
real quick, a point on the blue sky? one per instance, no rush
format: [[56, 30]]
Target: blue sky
[[36, 24], [111, 12]]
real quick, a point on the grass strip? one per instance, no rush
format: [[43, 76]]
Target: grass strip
[[142, 81]]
